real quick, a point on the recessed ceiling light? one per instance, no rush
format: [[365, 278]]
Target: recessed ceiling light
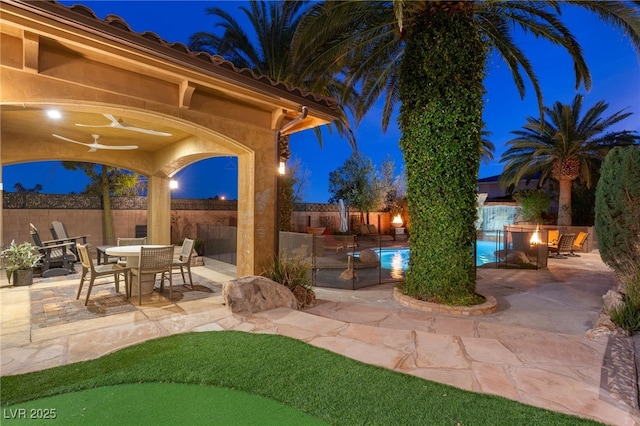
[[54, 113]]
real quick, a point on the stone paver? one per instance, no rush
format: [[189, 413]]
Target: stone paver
[[528, 358]]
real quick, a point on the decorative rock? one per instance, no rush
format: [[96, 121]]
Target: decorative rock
[[255, 294], [612, 301], [368, 256], [517, 257]]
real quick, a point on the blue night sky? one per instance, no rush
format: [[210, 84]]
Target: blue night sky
[[613, 63]]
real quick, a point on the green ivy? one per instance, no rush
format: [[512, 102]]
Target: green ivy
[[441, 89]]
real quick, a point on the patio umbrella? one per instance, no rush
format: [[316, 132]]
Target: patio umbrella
[[343, 216]]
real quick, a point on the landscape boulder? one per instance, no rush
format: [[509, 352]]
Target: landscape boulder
[[256, 294], [368, 256]]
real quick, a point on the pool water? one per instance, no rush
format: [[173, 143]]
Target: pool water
[[398, 258]]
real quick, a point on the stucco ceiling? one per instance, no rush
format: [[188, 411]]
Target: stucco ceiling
[[18, 119]]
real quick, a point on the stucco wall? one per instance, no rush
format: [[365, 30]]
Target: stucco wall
[[184, 219]]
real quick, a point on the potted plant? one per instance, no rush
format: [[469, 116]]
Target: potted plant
[[19, 261]]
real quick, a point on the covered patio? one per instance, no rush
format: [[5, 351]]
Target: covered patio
[[174, 106]]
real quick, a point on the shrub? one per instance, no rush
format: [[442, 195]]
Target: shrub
[[293, 272], [618, 208], [627, 316], [534, 203]]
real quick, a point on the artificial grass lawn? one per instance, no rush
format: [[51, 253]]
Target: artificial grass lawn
[[158, 403], [330, 387]]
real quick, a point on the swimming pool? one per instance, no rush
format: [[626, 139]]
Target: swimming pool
[[397, 259]]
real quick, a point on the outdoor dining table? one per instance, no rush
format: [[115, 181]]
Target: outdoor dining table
[[132, 254]]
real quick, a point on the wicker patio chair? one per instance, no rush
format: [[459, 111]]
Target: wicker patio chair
[[565, 244], [154, 260], [94, 272], [184, 260]]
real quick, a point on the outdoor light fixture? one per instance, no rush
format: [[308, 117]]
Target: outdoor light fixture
[[282, 168], [173, 184], [54, 113]]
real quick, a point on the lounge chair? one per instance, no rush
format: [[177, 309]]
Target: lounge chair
[[339, 243], [578, 243], [565, 245], [370, 231], [59, 232], [57, 257]]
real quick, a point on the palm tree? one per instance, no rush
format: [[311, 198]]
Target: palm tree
[[431, 56], [564, 146], [274, 25]]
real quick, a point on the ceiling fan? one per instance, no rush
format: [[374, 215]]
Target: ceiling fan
[[119, 124], [93, 147]]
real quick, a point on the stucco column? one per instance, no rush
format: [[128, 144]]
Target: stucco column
[[256, 207], [158, 210]]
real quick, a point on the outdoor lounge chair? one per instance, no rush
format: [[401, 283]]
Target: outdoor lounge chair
[[578, 243], [57, 257], [370, 231], [101, 271], [339, 243], [59, 232], [565, 245]]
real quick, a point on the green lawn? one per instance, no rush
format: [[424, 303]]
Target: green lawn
[[327, 386]]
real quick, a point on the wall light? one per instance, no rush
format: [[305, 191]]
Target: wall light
[[282, 168], [173, 184], [54, 113]]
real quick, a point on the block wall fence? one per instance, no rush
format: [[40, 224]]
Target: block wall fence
[[82, 215]]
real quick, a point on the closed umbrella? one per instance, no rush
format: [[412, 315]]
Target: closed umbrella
[[343, 216]]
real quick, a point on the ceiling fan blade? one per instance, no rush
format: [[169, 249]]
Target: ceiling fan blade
[[116, 147], [120, 124], [141, 130], [70, 140], [93, 147], [93, 125]]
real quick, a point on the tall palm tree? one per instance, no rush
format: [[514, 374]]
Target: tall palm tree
[[431, 56], [564, 146], [268, 52]]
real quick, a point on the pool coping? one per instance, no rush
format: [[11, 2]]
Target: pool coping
[[489, 307]]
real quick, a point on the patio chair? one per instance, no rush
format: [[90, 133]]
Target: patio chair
[[184, 260], [578, 243], [59, 232], [57, 258], [129, 242], [552, 236], [94, 272], [152, 261], [565, 244]]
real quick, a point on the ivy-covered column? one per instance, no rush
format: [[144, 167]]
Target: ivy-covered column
[[441, 89]]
